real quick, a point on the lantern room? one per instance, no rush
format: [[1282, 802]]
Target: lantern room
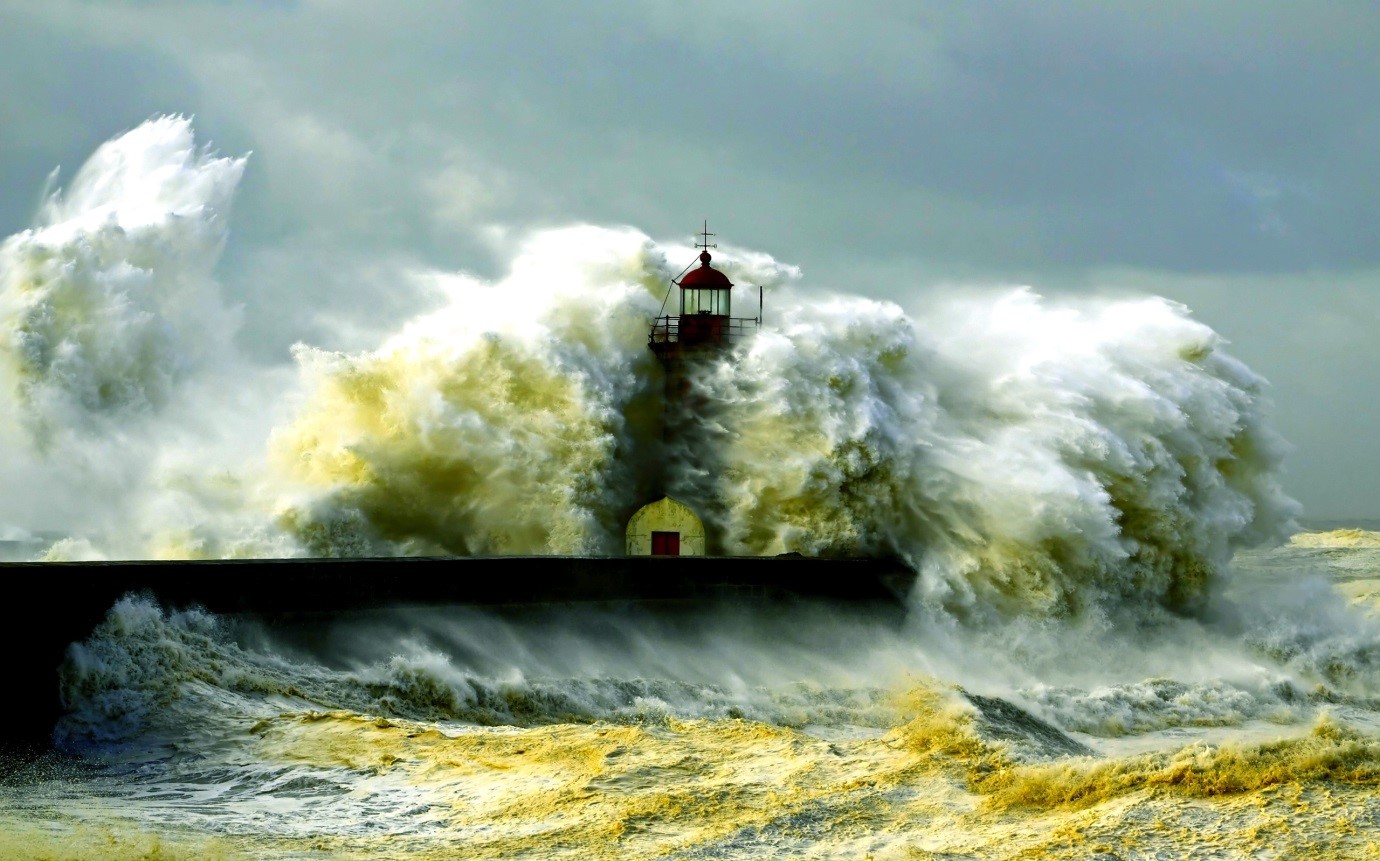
[[705, 298], [706, 316], [705, 290]]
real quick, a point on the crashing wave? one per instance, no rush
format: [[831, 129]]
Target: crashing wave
[[1026, 456]]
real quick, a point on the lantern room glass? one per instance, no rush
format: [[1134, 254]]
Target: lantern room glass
[[706, 301]]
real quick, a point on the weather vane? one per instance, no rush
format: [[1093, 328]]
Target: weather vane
[[706, 234]]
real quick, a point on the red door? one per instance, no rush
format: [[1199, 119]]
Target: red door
[[665, 543]]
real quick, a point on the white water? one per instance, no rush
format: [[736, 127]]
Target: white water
[[551, 732], [1026, 456], [1072, 481]]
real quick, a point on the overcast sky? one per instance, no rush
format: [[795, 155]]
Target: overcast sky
[[1224, 155]]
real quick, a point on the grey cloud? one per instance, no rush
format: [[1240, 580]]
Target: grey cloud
[[883, 146]]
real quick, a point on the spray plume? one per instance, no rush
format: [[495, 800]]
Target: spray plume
[[108, 302], [1025, 456]]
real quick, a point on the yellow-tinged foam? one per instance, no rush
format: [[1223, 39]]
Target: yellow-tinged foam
[[407, 438], [1331, 752], [930, 786], [1364, 594], [593, 786], [77, 841], [1337, 538]]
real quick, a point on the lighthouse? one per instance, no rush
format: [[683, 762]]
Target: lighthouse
[[703, 329], [705, 323]]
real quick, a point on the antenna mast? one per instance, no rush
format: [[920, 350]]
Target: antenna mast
[[706, 234]]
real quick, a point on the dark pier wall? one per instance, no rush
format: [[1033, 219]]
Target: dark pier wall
[[58, 603]]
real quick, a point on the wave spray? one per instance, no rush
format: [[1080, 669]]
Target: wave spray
[[1063, 476], [1023, 455]]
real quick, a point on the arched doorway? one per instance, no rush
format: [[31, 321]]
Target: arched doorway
[[665, 528]]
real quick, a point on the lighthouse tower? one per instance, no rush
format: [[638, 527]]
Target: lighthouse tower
[[704, 328]]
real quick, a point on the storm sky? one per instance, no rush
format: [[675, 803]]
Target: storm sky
[[1222, 155]]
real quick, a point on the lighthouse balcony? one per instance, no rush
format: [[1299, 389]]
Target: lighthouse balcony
[[694, 330]]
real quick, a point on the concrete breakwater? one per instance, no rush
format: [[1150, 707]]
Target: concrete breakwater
[[61, 602]]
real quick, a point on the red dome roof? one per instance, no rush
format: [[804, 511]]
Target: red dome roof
[[706, 277]]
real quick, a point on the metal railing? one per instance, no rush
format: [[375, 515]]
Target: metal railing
[[694, 329]]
